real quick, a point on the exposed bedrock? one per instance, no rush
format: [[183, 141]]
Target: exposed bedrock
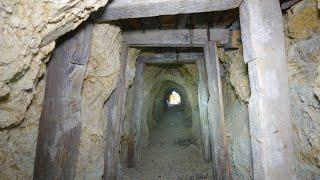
[[27, 35], [303, 51]]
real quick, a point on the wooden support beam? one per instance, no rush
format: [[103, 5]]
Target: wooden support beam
[[169, 58], [269, 106], [115, 108], [174, 38], [220, 156], [135, 121], [168, 22], [288, 4], [203, 96], [182, 20], [60, 122], [234, 40], [124, 9]]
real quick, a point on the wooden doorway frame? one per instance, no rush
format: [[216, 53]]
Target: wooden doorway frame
[[264, 51], [203, 38]]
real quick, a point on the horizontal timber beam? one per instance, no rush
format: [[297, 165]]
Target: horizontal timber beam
[[124, 9], [175, 38], [169, 58]]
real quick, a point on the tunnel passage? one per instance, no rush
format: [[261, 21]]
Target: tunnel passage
[[161, 103], [170, 134]]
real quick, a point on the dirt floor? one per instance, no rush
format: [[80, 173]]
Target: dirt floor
[[172, 154]]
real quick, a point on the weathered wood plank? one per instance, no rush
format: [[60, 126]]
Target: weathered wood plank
[[169, 58], [174, 38], [203, 96], [115, 107], [60, 123], [135, 122], [269, 105], [220, 156], [123, 9], [288, 4]]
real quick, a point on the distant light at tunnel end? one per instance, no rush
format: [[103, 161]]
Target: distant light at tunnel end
[[174, 99]]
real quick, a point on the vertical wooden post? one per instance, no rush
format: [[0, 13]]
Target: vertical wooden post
[[115, 116], [203, 96], [221, 164], [60, 123], [269, 107], [135, 122]]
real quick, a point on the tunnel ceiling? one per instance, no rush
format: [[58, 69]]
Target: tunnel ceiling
[[221, 19], [216, 19]]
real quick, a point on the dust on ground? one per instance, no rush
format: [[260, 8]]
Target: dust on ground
[[172, 154]]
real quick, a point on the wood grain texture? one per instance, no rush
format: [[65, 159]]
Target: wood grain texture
[[271, 130], [169, 58], [220, 156], [203, 96], [123, 9], [60, 123], [135, 121], [174, 38]]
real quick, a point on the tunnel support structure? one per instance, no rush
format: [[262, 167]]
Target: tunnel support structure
[[60, 122], [135, 121], [115, 109], [220, 156], [203, 97], [269, 110]]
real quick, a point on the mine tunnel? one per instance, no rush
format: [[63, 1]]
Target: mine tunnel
[[164, 93], [170, 136]]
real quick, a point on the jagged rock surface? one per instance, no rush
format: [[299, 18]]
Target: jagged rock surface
[[303, 44], [27, 34]]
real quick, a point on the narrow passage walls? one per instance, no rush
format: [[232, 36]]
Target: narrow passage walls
[[157, 80]]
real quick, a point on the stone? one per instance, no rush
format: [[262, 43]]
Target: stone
[[28, 32], [303, 47], [100, 80], [236, 116], [18, 145], [316, 88], [303, 59], [303, 20], [237, 72]]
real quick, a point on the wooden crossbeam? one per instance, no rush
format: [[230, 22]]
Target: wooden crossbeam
[[175, 38], [123, 9], [169, 58]]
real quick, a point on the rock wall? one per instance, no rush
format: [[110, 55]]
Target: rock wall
[[100, 80], [302, 30], [154, 77], [18, 143], [302, 24], [28, 30], [236, 92], [27, 34]]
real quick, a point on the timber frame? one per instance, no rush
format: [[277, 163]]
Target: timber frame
[[264, 52], [208, 40]]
